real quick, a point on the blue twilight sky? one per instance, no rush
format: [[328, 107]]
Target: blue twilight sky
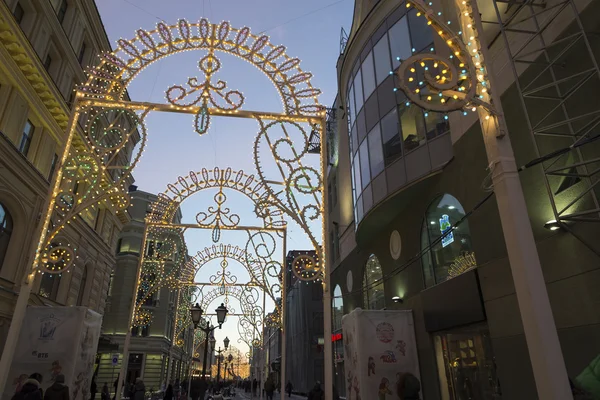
[[310, 29]]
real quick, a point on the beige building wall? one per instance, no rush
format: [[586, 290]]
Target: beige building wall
[[154, 347], [44, 48]]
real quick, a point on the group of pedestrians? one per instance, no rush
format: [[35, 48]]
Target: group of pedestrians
[[31, 389]]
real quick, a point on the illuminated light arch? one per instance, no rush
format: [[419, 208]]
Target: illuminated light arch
[[110, 79], [165, 207]]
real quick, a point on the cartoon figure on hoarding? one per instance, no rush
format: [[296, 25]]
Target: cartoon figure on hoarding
[[384, 389], [446, 226], [55, 370], [371, 366], [388, 357], [356, 389], [349, 381], [19, 381], [401, 347]]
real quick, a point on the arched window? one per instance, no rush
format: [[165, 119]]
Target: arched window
[[374, 297], [82, 285], [6, 226], [338, 308], [447, 252], [49, 285]]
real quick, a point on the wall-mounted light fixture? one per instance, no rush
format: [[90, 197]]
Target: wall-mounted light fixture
[[397, 299], [553, 225]]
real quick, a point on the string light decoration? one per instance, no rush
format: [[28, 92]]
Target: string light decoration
[[440, 84], [95, 172], [306, 267], [116, 70], [218, 217], [142, 318]]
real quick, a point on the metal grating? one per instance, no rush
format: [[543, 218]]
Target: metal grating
[[554, 74]]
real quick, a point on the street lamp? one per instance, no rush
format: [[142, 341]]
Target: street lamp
[[220, 358], [196, 314]]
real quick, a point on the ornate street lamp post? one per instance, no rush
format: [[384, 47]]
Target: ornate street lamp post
[[196, 313], [220, 357]]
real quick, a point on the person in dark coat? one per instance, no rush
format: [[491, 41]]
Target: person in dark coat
[[169, 393], [105, 395], [139, 390], [93, 389], [408, 386], [316, 393], [31, 389], [288, 388], [58, 390]]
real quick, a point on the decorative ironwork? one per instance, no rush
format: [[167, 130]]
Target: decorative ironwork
[[110, 79], [441, 84], [306, 267], [218, 217]]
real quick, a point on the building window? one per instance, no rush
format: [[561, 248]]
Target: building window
[[400, 42], [49, 285], [390, 136], [381, 51], [368, 75], [334, 190], [81, 54], [337, 308], [6, 227], [53, 166], [48, 62], [62, 11], [412, 126], [19, 13], [26, 137], [145, 330], [447, 251], [82, 286], [373, 293]]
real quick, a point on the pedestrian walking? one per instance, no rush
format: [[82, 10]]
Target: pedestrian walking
[[93, 388], [58, 390], [269, 388], [139, 390], [408, 386], [169, 393], [31, 389], [288, 388], [316, 393], [105, 395]]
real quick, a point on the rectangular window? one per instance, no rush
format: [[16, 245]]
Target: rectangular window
[[382, 59], [53, 166], [334, 190], [19, 13], [26, 137], [368, 75], [375, 151], [330, 197], [421, 34], [350, 105], [392, 143], [62, 11], [336, 241], [47, 63], [436, 125], [357, 183], [365, 173], [81, 54], [358, 92], [400, 42], [353, 140], [413, 128]]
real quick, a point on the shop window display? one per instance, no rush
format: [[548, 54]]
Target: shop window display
[[447, 251]]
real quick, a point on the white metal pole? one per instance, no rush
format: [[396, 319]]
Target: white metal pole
[[283, 320], [327, 348], [534, 304], [123, 371]]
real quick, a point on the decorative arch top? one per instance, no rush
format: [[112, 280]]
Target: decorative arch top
[[110, 79]]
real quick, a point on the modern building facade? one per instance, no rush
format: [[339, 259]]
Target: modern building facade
[[304, 328], [400, 177], [44, 48], [155, 354]]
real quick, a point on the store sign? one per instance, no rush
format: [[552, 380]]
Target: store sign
[[336, 337], [446, 226]]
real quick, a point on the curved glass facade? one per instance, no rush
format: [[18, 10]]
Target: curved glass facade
[[373, 290], [382, 126]]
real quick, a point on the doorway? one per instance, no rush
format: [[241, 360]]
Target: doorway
[[466, 364]]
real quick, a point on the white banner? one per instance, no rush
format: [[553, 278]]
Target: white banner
[[53, 341], [379, 346]]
